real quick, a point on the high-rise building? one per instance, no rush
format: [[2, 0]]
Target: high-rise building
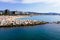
[[6, 12]]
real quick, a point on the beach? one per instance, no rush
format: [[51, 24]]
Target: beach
[[11, 18]]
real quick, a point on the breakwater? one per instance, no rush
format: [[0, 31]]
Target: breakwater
[[20, 23]]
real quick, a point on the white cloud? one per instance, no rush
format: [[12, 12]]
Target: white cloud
[[10, 1], [53, 2], [36, 1], [6, 0], [32, 1]]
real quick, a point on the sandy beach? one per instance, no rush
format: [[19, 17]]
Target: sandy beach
[[11, 18]]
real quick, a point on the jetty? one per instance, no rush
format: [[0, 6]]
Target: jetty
[[6, 23]]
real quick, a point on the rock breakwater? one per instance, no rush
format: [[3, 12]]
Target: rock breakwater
[[20, 23]]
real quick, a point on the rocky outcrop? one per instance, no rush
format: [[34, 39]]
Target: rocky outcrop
[[20, 23]]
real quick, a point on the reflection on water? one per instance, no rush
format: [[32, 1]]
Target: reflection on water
[[48, 18]]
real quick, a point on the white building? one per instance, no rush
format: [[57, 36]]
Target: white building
[[17, 12]]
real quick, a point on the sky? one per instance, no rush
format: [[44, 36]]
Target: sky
[[41, 6]]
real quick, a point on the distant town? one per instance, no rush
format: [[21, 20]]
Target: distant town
[[8, 12]]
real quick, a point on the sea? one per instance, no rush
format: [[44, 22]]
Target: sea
[[37, 32]]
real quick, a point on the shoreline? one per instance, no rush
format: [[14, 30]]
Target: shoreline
[[11, 21], [21, 23], [11, 18]]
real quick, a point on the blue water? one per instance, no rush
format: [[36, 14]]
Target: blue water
[[47, 18], [38, 32]]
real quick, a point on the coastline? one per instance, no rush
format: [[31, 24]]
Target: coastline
[[10, 21], [7, 17], [7, 20]]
